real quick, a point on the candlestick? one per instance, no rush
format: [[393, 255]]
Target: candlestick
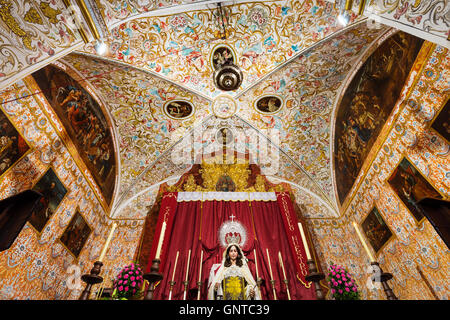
[[383, 277], [187, 273], [363, 242], [199, 283], [305, 243], [160, 242], [108, 240], [152, 277], [315, 276], [272, 281], [258, 279], [285, 280], [91, 279]]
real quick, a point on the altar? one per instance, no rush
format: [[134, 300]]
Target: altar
[[190, 228]]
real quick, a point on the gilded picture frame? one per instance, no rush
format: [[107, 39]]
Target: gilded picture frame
[[376, 230], [44, 204], [442, 115], [64, 238], [406, 194], [4, 148]]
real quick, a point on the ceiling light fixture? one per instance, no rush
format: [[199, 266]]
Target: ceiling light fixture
[[100, 47], [343, 18]]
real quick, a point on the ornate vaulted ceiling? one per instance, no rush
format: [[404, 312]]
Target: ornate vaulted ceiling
[[178, 47], [293, 49]]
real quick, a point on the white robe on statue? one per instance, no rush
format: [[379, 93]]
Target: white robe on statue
[[219, 273]]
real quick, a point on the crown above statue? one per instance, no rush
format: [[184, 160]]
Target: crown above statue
[[232, 232]]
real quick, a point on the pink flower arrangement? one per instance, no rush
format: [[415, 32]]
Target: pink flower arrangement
[[342, 286], [129, 282]]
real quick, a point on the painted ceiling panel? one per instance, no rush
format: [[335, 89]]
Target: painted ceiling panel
[[262, 35], [115, 11], [292, 49], [32, 33], [309, 86], [135, 100]]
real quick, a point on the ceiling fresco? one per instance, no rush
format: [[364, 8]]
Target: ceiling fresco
[[308, 86], [262, 35], [156, 83]]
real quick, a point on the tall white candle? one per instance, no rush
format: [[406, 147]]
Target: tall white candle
[[175, 267], [305, 244], [281, 264], [187, 266], [256, 263], [161, 239], [108, 240], [200, 272], [363, 242], [270, 267]]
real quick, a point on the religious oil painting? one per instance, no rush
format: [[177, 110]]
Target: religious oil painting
[[178, 109], [268, 104], [376, 230], [367, 103], [85, 123], [221, 56], [411, 187], [53, 192], [441, 123], [12, 145], [225, 184], [76, 234]]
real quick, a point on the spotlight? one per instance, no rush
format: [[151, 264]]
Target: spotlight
[[100, 47], [343, 18]]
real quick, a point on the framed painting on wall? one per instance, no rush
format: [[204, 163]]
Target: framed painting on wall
[[76, 234], [12, 145], [441, 123], [53, 191], [376, 230], [411, 187], [85, 122], [367, 103]]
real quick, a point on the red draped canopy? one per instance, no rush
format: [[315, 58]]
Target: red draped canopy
[[194, 225]]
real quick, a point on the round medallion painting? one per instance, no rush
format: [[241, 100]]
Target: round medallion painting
[[179, 109], [269, 104], [221, 55]]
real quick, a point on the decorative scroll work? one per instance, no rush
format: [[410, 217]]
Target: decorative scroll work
[[226, 196], [32, 33], [427, 19]]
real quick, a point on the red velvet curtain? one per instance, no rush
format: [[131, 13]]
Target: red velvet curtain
[[194, 225]]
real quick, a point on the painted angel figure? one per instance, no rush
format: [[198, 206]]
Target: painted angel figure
[[232, 279]]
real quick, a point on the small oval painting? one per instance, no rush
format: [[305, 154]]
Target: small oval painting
[[224, 136], [179, 109], [269, 104], [221, 55]]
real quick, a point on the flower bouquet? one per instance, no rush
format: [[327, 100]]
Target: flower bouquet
[[343, 287], [128, 283]]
